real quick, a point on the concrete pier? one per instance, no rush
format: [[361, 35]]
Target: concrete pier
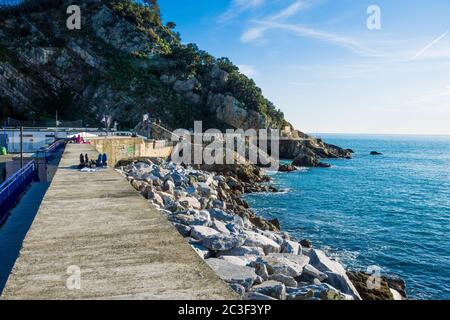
[[94, 227]]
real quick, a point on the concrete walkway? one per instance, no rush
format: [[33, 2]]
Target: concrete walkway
[[16, 226], [96, 223]]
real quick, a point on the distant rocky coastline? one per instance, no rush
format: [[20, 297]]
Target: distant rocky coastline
[[252, 254]]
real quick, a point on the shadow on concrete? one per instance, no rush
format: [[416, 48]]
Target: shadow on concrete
[[16, 226]]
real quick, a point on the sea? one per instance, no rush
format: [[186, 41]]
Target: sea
[[390, 211]]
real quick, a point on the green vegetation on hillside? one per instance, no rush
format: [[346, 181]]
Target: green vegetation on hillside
[[134, 74]]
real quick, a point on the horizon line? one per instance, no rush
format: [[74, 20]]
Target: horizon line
[[380, 134]]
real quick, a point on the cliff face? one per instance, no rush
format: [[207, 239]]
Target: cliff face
[[122, 62]]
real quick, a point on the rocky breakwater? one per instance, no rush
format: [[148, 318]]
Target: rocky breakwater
[[257, 259]]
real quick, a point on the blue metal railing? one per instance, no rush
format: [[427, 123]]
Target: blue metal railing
[[12, 189], [51, 151]]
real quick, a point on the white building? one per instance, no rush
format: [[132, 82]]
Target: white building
[[33, 139]]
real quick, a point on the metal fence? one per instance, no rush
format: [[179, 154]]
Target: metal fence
[[53, 150], [13, 123], [12, 189]]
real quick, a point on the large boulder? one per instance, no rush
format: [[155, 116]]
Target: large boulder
[[257, 240], [202, 232], [286, 280], [190, 203], [362, 282], [240, 290], [223, 242], [220, 226], [336, 274], [310, 273], [233, 273], [239, 260], [243, 251], [200, 250], [272, 289], [155, 198], [301, 260], [220, 215], [291, 247], [191, 218], [280, 265]]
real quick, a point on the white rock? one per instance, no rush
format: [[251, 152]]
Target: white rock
[[272, 289], [219, 226], [291, 247], [257, 240], [280, 265], [201, 232], [286, 280], [221, 215], [258, 280], [223, 242], [271, 235], [167, 197], [240, 261], [190, 219], [156, 198], [337, 276], [201, 250], [313, 273], [190, 202], [169, 186], [261, 270], [301, 260], [204, 214], [240, 290], [232, 273], [396, 294], [243, 251]]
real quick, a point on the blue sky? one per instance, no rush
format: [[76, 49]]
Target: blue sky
[[320, 64]]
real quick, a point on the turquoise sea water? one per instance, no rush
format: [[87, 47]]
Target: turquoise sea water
[[392, 211]]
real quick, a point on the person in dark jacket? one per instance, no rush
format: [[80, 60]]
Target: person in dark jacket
[[82, 162], [99, 161], [105, 160]]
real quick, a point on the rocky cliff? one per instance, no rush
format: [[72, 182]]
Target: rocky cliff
[[124, 62]]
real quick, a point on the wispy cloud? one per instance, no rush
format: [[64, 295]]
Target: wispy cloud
[[256, 33], [277, 21], [302, 31], [436, 100], [248, 70], [239, 6], [253, 34], [428, 46], [291, 10]]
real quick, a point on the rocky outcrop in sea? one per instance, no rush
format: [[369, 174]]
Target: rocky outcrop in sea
[[256, 258]]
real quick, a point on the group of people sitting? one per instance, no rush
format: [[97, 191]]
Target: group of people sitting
[[78, 139], [102, 161]]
